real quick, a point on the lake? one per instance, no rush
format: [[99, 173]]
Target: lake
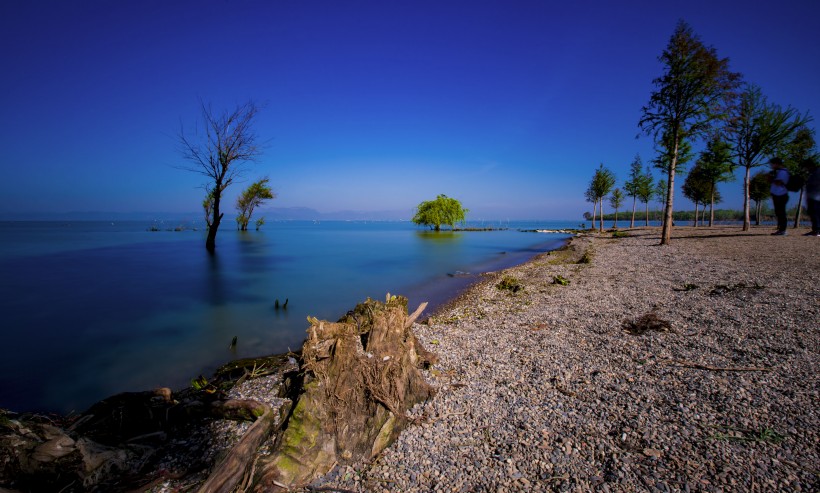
[[91, 309]]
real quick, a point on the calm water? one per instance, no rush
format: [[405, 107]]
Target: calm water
[[90, 309]]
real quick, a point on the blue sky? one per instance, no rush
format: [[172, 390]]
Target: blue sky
[[508, 106]]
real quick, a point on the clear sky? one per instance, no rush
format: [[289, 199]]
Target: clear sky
[[508, 106]]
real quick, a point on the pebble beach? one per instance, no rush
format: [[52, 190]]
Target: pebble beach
[[616, 364]]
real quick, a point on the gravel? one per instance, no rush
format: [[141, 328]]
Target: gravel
[[545, 390]]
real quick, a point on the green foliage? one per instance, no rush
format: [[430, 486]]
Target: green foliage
[[758, 128], [601, 184], [763, 435], [252, 197], [620, 234], [259, 223], [560, 280], [689, 97], [697, 187], [199, 383], [616, 200], [639, 185], [714, 166], [635, 174], [442, 211], [510, 283], [759, 188], [208, 207]]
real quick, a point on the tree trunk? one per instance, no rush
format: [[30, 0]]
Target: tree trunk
[[712, 208], [594, 214], [210, 242], [601, 229], [647, 213], [632, 222], [746, 185], [799, 209], [670, 188], [696, 215], [361, 375], [615, 224]]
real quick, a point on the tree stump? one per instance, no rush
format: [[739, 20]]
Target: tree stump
[[361, 375]]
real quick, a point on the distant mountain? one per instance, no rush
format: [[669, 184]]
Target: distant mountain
[[307, 214]]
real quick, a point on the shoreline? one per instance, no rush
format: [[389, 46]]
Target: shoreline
[[545, 390]]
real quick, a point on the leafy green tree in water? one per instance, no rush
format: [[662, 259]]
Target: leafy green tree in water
[[759, 191], [250, 199], [616, 200], [220, 151], [756, 129], [689, 97], [601, 184], [715, 166], [444, 210]]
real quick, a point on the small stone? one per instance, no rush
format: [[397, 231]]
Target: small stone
[[651, 452]]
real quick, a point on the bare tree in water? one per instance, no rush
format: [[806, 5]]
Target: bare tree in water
[[220, 150]]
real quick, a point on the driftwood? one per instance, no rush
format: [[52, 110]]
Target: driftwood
[[114, 445], [231, 471], [361, 375], [358, 378]]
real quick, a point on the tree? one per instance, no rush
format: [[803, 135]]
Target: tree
[[632, 186], [208, 207], [646, 191], [756, 129], [220, 151], [660, 191], [616, 200], [591, 197], [252, 197], [697, 188], [443, 210], [715, 166], [800, 150], [689, 97], [601, 184], [759, 191]]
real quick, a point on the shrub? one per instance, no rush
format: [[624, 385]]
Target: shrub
[[511, 284], [560, 280]]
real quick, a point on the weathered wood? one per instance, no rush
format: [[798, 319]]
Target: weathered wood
[[361, 375], [235, 467], [412, 318]]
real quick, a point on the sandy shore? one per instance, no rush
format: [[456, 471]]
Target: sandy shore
[[544, 389]]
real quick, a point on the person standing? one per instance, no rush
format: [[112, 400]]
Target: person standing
[[813, 195], [780, 196]]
